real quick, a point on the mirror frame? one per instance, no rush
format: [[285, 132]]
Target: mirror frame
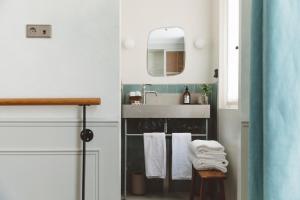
[[148, 38]]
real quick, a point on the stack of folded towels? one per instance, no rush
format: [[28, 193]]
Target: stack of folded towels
[[208, 155]]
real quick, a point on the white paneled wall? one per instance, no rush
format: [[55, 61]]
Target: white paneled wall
[[42, 160], [39, 146]]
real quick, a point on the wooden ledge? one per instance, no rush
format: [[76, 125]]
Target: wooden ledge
[[49, 101], [211, 174]]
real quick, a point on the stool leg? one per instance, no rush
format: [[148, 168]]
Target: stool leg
[[202, 193], [222, 190], [192, 185]]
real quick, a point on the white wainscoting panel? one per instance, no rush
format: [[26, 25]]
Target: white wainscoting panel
[[42, 161]]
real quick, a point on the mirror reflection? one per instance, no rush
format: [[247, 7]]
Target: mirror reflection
[[166, 52]]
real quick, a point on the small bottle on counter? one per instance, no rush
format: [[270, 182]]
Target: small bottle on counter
[[186, 96]]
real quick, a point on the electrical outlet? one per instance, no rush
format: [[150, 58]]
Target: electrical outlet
[[38, 31]]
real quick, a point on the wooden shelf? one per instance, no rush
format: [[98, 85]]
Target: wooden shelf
[[49, 101]]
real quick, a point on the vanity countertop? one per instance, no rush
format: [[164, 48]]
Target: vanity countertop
[[165, 111]]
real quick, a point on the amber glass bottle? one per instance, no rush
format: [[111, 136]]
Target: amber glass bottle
[[186, 96]]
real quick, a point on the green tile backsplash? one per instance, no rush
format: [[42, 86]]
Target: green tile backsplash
[[162, 88]]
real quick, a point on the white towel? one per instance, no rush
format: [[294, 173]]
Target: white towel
[[209, 154], [155, 155], [181, 165], [204, 146], [205, 164]]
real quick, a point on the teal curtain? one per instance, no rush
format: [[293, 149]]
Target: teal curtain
[[274, 139]]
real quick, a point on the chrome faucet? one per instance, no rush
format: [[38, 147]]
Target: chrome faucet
[[145, 92]]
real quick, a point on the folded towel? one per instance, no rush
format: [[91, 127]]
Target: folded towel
[[211, 167], [155, 155], [205, 164], [204, 146], [201, 162], [209, 154], [181, 165]]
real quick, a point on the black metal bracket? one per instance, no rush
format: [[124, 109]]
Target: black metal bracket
[[86, 135]]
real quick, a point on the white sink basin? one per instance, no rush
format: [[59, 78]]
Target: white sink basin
[[168, 99], [165, 111]]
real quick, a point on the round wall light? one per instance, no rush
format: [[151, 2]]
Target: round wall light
[[199, 43], [129, 44]]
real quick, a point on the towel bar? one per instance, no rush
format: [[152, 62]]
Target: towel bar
[[126, 134], [168, 135]]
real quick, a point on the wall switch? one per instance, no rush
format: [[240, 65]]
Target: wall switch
[[38, 31]]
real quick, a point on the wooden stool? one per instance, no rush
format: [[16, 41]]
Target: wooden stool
[[206, 176]]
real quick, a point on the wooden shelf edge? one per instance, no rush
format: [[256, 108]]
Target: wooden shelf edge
[[48, 101]]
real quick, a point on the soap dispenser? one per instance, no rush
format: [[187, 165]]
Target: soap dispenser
[[186, 96]]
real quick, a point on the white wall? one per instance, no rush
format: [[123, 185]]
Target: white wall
[[230, 136], [229, 121], [245, 58], [139, 17], [80, 60], [40, 146], [245, 95]]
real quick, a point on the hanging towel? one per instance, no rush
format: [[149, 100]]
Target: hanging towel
[[181, 165], [155, 155]]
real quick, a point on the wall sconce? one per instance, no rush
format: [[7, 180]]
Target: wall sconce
[[129, 44], [199, 43]]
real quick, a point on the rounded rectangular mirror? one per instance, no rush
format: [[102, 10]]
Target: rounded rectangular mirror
[[166, 52]]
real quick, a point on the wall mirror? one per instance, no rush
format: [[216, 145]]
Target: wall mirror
[[166, 52]]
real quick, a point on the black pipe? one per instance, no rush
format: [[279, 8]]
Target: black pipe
[[83, 154], [86, 135]]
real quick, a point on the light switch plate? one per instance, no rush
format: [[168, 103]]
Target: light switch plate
[[38, 31]]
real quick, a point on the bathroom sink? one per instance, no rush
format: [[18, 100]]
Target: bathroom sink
[[169, 99], [163, 99], [165, 111]]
